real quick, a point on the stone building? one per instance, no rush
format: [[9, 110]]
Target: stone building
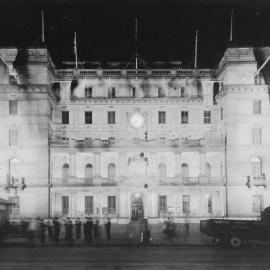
[[135, 143]]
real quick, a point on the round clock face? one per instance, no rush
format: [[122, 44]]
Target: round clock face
[[136, 120]]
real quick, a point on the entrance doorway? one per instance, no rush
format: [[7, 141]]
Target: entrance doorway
[[137, 207]]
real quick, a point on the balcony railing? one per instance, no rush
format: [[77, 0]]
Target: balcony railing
[[201, 180], [75, 181], [256, 180], [136, 72]]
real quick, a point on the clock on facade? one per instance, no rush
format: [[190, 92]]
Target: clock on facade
[[136, 120]]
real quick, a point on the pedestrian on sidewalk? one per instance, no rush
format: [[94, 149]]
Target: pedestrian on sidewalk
[[108, 229], [87, 229], [42, 231], [78, 230], [97, 235], [56, 230], [69, 231], [49, 227]]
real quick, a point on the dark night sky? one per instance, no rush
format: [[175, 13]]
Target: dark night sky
[[105, 28]]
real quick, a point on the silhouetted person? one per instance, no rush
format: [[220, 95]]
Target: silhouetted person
[[56, 230], [42, 231], [87, 228], [49, 227], [108, 229], [78, 230], [96, 230], [69, 231]]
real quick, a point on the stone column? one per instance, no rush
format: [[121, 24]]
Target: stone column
[[72, 164], [97, 163], [202, 164]]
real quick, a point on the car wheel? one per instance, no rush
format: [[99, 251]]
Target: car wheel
[[236, 242]]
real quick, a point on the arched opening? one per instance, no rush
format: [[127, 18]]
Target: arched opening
[[65, 171], [256, 166], [162, 172], [137, 211], [184, 170], [14, 168], [111, 171], [88, 171]]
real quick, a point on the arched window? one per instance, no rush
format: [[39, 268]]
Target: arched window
[[208, 171], [65, 171], [88, 171], [162, 171], [14, 168], [111, 171], [256, 166], [184, 170]]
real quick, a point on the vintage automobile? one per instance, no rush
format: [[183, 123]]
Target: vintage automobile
[[235, 233]]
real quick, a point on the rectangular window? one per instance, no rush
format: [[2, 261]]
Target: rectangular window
[[161, 92], [65, 117], [221, 113], [111, 204], [13, 107], [111, 92], [257, 106], [88, 117], [65, 205], [182, 91], [14, 209], [256, 135], [210, 204], [162, 117], [111, 117], [89, 205], [257, 203], [162, 203], [133, 92], [186, 204], [207, 117], [13, 137], [184, 117], [88, 92]]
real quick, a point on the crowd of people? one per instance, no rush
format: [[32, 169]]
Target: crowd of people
[[74, 230]]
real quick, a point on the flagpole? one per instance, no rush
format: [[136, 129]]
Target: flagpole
[[231, 30], [42, 26], [196, 49], [136, 43], [75, 50]]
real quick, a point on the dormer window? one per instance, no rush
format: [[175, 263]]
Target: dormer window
[[88, 92]]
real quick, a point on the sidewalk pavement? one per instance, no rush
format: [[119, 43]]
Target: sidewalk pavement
[[177, 241]]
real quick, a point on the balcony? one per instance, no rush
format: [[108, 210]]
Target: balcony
[[75, 181], [192, 181], [256, 180]]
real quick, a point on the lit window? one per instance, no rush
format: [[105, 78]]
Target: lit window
[[111, 117], [162, 117], [65, 117], [88, 117], [257, 106], [13, 107], [256, 135], [207, 117], [184, 117], [186, 204]]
